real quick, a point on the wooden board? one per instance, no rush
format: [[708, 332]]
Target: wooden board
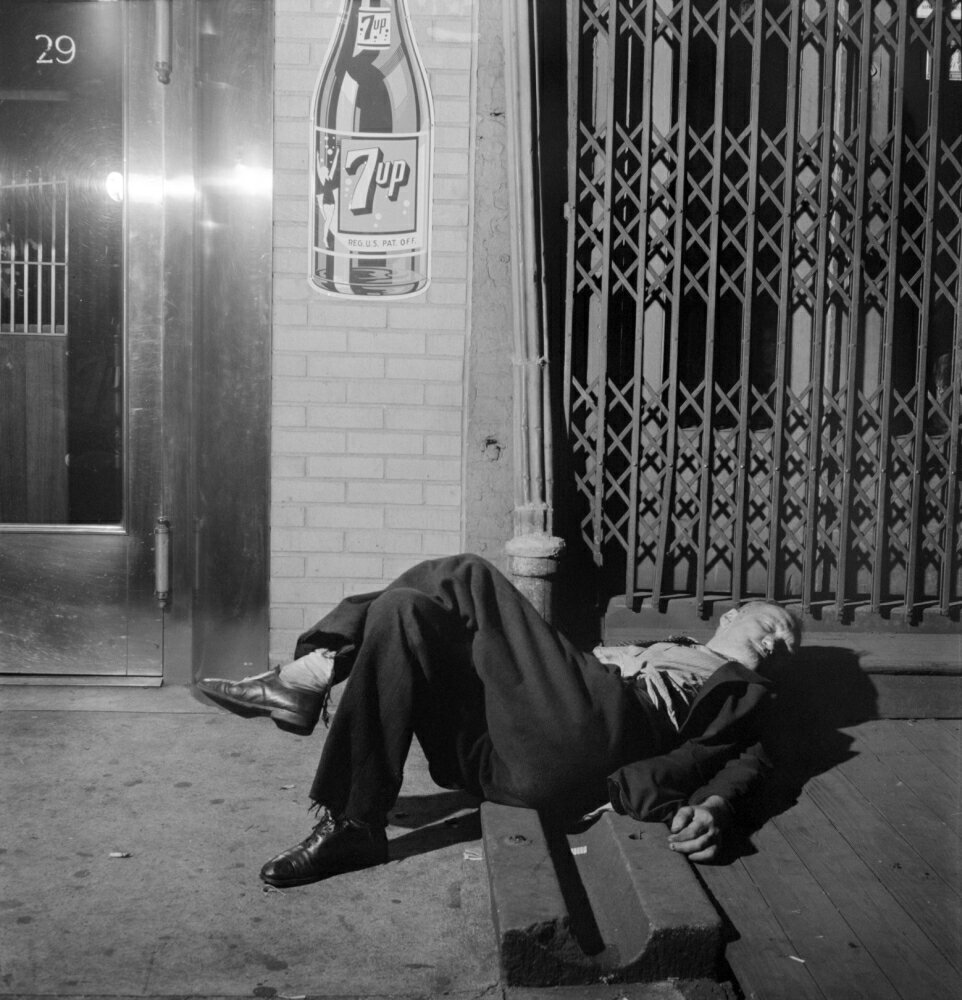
[[909, 959], [939, 739], [889, 740], [906, 812], [934, 903], [860, 878], [815, 932], [760, 952]]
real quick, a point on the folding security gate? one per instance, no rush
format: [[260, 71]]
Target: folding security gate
[[763, 334]]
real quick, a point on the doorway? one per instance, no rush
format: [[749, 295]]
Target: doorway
[[116, 209]]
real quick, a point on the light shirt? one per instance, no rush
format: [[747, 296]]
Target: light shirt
[[671, 673]]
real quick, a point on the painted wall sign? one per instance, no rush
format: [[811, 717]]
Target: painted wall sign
[[371, 157]]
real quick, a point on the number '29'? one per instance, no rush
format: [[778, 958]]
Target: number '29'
[[62, 50]]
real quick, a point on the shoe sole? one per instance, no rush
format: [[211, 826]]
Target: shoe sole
[[293, 883], [290, 722]]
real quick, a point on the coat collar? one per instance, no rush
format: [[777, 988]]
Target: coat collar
[[732, 670], [731, 674]]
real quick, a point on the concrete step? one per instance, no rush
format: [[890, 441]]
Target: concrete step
[[611, 904]]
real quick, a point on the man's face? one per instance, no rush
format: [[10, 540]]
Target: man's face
[[753, 633]]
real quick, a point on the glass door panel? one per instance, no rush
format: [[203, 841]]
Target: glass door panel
[[61, 256]]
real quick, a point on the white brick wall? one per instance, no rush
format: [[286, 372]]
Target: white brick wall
[[367, 397]]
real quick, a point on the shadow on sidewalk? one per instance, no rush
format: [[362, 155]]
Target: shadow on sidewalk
[[434, 821]]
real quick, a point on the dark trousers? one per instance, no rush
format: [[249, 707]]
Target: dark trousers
[[502, 704]]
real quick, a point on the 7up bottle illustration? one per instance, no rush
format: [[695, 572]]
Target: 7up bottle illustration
[[371, 157]]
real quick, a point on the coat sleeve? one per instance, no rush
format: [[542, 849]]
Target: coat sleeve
[[728, 759], [739, 777]]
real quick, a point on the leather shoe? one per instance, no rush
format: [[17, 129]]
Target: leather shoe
[[295, 710], [334, 846]]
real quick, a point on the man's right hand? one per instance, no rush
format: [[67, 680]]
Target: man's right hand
[[696, 831]]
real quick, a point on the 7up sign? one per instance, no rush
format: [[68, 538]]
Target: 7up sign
[[377, 207], [374, 172], [371, 156]]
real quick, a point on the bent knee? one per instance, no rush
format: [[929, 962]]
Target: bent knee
[[537, 790], [397, 601], [464, 562]]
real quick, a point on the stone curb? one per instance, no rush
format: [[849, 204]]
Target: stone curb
[[611, 904]]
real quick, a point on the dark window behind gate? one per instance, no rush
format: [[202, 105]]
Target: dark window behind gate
[[763, 336]]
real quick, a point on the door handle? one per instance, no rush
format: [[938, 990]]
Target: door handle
[[163, 15], [162, 561]]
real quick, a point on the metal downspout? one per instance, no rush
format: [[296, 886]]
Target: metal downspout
[[534, 552]]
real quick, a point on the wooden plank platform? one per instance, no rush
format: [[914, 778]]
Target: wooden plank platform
[[854, 889]]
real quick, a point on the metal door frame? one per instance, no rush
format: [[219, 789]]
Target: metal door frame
[[198, 368]]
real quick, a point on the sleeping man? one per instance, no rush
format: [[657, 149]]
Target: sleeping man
[[506, 708]]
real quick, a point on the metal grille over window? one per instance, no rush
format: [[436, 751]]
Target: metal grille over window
[[763, 338], [34, 219]]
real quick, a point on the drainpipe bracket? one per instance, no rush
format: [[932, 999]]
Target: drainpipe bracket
[[534, 561]]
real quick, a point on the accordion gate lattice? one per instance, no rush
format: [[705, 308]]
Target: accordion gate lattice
[[763, 332]]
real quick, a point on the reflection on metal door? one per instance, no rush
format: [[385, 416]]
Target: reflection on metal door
[[764, 338], [34, 227], [76, 100]]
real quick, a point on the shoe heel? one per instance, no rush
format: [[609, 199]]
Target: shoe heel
[[291, 722]]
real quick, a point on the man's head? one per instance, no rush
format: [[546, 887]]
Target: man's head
[[756, 631]]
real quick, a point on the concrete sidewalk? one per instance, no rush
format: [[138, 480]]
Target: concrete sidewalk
[[199, 799], [134, 825]]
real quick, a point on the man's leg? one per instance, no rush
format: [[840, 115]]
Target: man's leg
[[557, 722], [412, 676], [293, 695], [502, 703]]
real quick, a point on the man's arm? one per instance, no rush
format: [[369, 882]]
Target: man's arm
[[655, 788], [699, 813]]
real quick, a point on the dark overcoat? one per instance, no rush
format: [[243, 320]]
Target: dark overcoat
[[559, 730]]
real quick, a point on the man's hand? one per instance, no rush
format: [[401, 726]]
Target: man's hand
[[696, 831]]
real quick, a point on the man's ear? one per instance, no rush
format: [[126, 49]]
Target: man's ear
[[728, 617]]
